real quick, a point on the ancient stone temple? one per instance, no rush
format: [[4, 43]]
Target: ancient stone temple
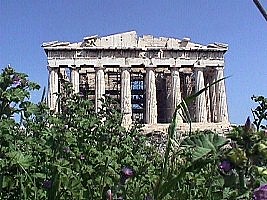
[[147, 75]]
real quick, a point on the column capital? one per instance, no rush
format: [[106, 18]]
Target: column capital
[[150, 67], [175, 68], [219, 68], [75, 67], [175, 72], [199, 67], [101, 67], [125, 67], [52, 68]]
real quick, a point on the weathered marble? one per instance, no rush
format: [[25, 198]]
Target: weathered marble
[[54, 88], [201, 108], [151, 97], [176, 92], [126, 106], [213, 99], [99, 87], [164, 71], [221, 98], [75, 79]]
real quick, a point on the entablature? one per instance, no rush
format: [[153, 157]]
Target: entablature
[[122, 62], [136, 53]]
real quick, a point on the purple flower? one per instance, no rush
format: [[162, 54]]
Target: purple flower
[[260, 193], [15, 78], [226, 166], [47, 184], [82, 157], [16, 81], [127, 172]]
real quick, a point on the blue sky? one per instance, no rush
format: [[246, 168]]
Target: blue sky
[[25, 25]]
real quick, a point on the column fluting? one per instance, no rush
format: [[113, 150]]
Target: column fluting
[[126, 105], [53, 88], [151, 97], [175, 91], [201, 108], [222, 110], [75, 79], [99, 87]]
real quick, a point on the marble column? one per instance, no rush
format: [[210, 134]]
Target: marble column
[[126, 105], [213, 102], [222, 112], [175, 91], [151, 97], [207, 97], [53, 88], [99, 87], [201, 108], [75, 79]]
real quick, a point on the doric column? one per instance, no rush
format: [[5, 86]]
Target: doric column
[[207, 96], [99, 87], [221, 98], [201, 108], [126, 106], [75, 79], [151, 97], [53, 88], [213, 94], [175, 91]]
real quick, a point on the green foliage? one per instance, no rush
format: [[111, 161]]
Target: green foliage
[[178, 167], [14, 89], [260, 112], [79, 154], [203, 165], [248, 155], [73, 154], [204, 145]]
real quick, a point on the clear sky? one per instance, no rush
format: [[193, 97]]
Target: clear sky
[[26, 24]]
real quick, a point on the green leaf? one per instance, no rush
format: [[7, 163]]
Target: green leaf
[[203, 144], [200, 152], [18, 158]]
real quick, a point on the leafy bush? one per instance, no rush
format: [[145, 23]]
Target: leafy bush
[[79, 154], [205, 165], [73, 154]]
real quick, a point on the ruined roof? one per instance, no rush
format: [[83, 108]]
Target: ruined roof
[[132, 40]]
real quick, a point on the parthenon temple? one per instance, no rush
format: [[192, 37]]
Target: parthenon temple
[[147, 75]]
